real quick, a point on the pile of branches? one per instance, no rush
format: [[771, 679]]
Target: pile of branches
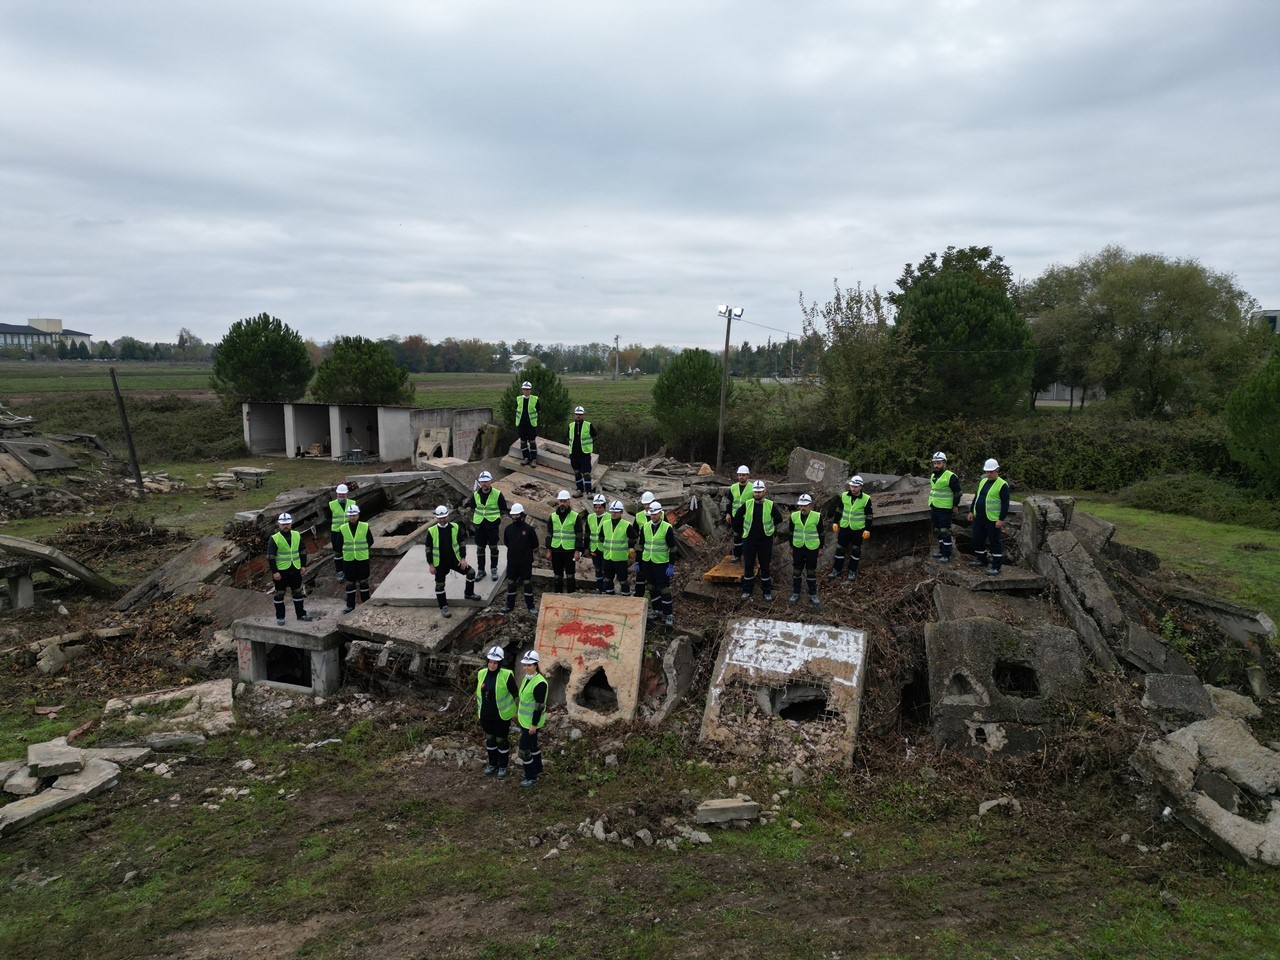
[[95, 540]]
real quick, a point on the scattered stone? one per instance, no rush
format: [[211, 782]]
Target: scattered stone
[[575, 733], [796, 824], [551, 854], [244, 766], [22, 783], [724, 810], [611, 760], [1011, 806], [54, 758], [645, 837], [1232, 704]]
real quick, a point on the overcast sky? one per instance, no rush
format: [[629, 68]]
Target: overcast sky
[[568, 171]]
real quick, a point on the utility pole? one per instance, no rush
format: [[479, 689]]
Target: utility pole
[[615, 358], [728, 313], [128, 436]]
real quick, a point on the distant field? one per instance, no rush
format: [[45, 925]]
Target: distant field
[[19, 378]]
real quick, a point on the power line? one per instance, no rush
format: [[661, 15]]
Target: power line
[[765, 327]]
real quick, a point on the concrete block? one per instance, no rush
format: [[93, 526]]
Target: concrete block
[[592, 650], [98, 775], [53, 758], [120, 756], [21, 783], [396, 531], [315, 667], [828, 475], [419, 628], [9, 767], [22, 590], [411, 584], [790, 691], [1176, 696], [726, 809], [14, 816], [1228, 703], [207, 708], [322, 633], [1144, 650], [1090, 606]]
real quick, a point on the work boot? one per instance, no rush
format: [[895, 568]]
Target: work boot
[[532, 608], [833, 574], [976, 562], [306, 618], [793, 598], [502, 773], [993, 572], [768, 597], [489, 770], [469, 595], [348, 609], [279, 621], [671, 620], [814, 599], [944, 559], [342, 577], [936, 556], [851, 575], [494, 574], [446, 612], [508, 608], [527, 783]]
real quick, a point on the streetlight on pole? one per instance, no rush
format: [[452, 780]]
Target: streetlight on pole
[[729, 314]]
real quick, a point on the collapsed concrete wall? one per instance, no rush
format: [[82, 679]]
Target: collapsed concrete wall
[[788, 691]]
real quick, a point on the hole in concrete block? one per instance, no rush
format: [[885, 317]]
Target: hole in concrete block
[[1015, 679], [403, 528], [962, 690], [39, 451], [289, 665], [806, 710], [979, 735], [597, 693], [801, 702], [915, 709], [557, 686]]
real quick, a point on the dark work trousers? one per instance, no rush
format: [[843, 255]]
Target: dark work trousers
[[335, 538], [497, 741], [619, 570], [487, 536], [804, 563], [518, 573], [564, 577], [291, 579], [988, 543], [530, 753], [581, 464], [659, 588], [940, 517], [756, 552], [848, 547], [597, 561], [442, 572], [528, 444], [357, 579], [642, 577]]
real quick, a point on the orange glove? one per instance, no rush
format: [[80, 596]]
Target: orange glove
[[835, 528], [866, 534]]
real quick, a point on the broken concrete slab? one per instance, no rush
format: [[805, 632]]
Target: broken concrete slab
[[1176, 697], [1042, 516], [301, 655], [22, 783], [411, 584], [592, 650], [19, 584], [51, 558], [54, 758], [1177, 765], [671, 668], [1010, 579], [954, 602], [120, 756], [38, 455], [202, 562], [1149, 653], [1092, 532], [992, 686], [207, 707], [395, 531], [9, 767], [433, 443], [828, 475], [96, 776], [14, 816], [1228, 703], [418, 628], [791, 691], [726, 809], [225, 605], [1245, 625], [1090, 606]]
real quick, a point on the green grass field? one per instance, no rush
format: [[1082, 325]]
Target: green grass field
[[28, 377]]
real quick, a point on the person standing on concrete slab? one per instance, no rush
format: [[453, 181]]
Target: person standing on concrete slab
[[487, 507], [642, 575], [337, 518], [944, 498], [287, 560], [356, 541], [531, 715], [851, 521], [445, 553], [566, 537], [618, 539], [755, 523], [987, 513], [806, 546], [527, 424], [736, 496], [595, 539], [657, 545], [582, 441], [522, 546], [496, 698]]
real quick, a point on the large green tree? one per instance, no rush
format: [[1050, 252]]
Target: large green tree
[[1162, 336], [868, 378], [957, 316], [686, 400], [1253, 420], [553, 402], [261, 358], [360, 370]]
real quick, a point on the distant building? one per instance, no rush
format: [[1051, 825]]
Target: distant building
[[42, 330], [1271, 318], [519, 361]]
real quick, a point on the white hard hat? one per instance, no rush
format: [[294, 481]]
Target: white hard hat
[[485, 476], [655, 509], [744, 469], [442, 511], [992, 464], [804, 500], [598, 500], [516, 509], [342, 488], [646, 498], [495, 653], [526, 385], [757, 487], [939, 456], [531, 657], [284, 518], [855, 480], [353, 510], [578, 410], [563, 495], [615, 507]]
